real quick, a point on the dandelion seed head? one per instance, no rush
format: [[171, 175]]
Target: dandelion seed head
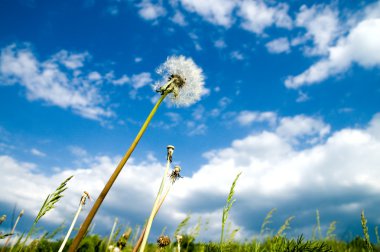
[[188, 77]]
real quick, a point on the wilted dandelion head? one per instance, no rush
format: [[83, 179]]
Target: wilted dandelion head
[[163, 241], [185, 78], [3, 218]]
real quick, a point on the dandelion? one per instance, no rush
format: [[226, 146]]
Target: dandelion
[[175, 174], [163, 241], [183, 82]]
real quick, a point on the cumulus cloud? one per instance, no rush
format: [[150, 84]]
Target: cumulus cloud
[[361, 46], [257, 16], [58, 81], [280, 45], [294, 128], [322, 27]]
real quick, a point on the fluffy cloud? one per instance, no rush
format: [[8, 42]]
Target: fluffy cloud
[[279, 45], [57, 81], [361, 46], [150, 11], [339, 176], [257, 16], [246, 118], [294, 128], [218, 12], [322, 27]]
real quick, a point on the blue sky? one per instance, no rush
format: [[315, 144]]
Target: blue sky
[[291, 99]]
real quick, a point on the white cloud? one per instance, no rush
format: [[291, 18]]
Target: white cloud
[[57, 81], [236, 55], [302, 97], [331, 176], [322, 27], [279, 45], [246, 118], [195, 128], [141, 80], [179, 18], [257, 16], [361, 46], [94, 76], [121, 81], [37, 152], [218, 12], [150, 11], [77, 151], [220, 43], [294, 128]]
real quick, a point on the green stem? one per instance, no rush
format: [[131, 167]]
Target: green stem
[[155, 205], [112, 179]]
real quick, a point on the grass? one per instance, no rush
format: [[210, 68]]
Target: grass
[[126, 241], [278, 241]]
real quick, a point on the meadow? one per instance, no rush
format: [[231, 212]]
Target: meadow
[[185, 238]]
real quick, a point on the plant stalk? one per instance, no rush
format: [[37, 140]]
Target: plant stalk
[[71, 227], [113, 177], [155, 206], [138, 243], [12, 231], [111, 234]]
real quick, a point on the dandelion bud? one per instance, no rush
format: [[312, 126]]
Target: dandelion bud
[[169, 156], [21, 213]]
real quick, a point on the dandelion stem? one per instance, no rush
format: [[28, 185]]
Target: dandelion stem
[[13, 230], [138, 243], [71, 228], [113, 177], [155, 206]]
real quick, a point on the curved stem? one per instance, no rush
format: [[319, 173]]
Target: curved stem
[[155, 206], [138, 243], [113, 177]]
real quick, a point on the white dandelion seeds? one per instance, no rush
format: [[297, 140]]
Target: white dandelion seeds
[[189, 84]]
